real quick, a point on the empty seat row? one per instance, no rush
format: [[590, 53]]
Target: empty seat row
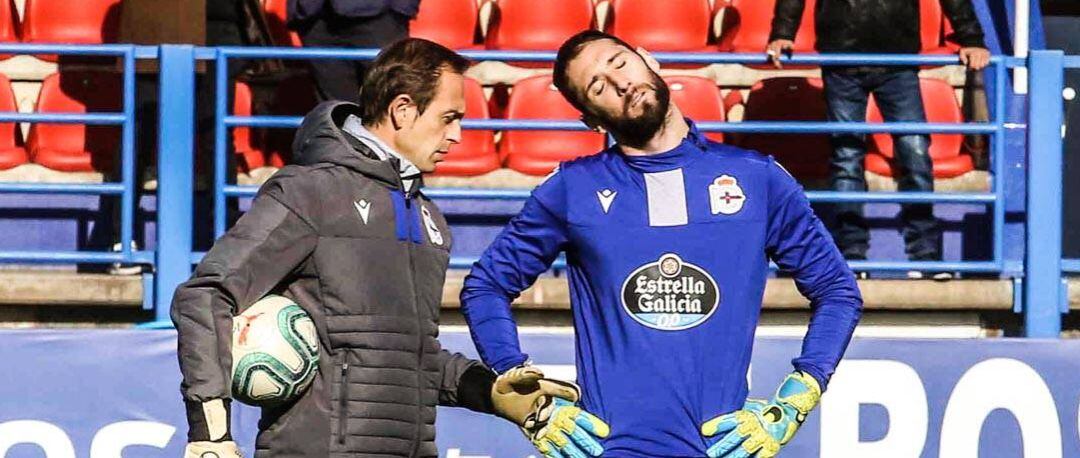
[[671, 25], [81, 148], [776, 99]]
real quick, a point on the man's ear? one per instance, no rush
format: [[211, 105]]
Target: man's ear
[[593, 123], [402, 111], [649, 59]]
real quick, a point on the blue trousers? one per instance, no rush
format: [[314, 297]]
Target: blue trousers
[[896, 90]]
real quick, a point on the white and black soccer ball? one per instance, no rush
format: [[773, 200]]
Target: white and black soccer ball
[[275, 352]]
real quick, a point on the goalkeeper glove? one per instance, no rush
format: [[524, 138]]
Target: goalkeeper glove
[[545, 411], [206, 449], [762, 427], [208, 430]]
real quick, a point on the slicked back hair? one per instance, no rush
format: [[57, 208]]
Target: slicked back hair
[[410, 66]]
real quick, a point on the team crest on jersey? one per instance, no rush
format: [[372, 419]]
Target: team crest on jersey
[[670, 294], [725, 195]]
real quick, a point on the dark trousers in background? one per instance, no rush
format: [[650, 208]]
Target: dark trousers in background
[[341, 79], [897, 93], [1063, 32]]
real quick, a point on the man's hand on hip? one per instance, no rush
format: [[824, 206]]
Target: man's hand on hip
[[762, 427], [546, 412]]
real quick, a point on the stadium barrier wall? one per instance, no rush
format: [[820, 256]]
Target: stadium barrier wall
[[106, 394]]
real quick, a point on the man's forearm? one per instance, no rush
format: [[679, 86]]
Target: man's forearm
[[493, 328], [786, 18]]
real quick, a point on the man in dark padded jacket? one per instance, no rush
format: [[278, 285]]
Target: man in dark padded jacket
[[347, 234], [879, 26]]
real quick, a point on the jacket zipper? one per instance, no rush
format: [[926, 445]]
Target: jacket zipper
[[419, 329], [343, 400]]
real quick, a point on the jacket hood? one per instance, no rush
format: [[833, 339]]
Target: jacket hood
[[320, 139]]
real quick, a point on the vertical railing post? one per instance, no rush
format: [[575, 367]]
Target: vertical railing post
[[1042, 264], [176, 173]]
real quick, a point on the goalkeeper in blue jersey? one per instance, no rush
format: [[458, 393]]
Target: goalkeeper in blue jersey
[[668, 238]]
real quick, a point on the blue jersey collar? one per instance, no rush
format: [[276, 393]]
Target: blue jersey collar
[[687, 151]]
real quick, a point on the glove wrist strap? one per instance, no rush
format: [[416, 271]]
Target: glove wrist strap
[[208, 421]]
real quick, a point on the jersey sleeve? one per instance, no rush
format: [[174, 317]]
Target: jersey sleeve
[[525, 249], [799, 243]]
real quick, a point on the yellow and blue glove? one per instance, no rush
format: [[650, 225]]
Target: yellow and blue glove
[[547, 413], [762, 427], [560, 429]]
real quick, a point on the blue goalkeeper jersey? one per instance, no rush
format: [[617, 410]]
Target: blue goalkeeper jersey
[[667, 260]]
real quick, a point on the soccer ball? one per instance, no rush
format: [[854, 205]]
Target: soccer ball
[[275, 352]]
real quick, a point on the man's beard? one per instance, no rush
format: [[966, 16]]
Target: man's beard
[[636, 132]]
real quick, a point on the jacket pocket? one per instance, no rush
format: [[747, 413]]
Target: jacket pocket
[[343, 399]]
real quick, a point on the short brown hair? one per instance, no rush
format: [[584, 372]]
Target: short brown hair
[[410, 66], [567, 52]]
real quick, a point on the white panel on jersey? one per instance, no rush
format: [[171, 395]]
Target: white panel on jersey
[[667, 198]]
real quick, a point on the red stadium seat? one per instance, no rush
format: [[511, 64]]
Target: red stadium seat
[[451, 23], [672, 25], [790, 99], [275, 17], [70, 22], [530, 25], [747, 23], [12, 154], [538, 152], [941, 106], [475, 155], [698, 99], [250, 155], [9, 22], [269, 147], [77, 147]]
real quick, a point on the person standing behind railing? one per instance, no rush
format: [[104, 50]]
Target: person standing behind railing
[[878, 27], [348, 24]]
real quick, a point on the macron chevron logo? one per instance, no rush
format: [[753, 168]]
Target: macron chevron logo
[[606, 197], [363, 207]]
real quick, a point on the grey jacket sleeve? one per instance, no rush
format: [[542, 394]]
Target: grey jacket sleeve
[[786, 18], [966, 28], [465, 382], [264, 246]]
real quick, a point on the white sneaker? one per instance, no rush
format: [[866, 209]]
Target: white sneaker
[[124, 269], [936, 276]]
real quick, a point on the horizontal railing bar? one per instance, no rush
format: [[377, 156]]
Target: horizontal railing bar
[[62, 188], [927, 266], [90, 257], [549, 56], [813, 196], [67, 49], [65, 118], [901, 197], [1071, 265], [778, 127]]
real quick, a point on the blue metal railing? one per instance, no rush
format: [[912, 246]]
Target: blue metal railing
[[125, 188], [996, 127], [1041, 271]]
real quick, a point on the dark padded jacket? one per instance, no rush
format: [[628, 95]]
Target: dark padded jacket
[[873, 26], [367, 260], [301, 11]]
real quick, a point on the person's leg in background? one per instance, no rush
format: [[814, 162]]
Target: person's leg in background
[[846, 100], [341, 79], [900, 99]]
